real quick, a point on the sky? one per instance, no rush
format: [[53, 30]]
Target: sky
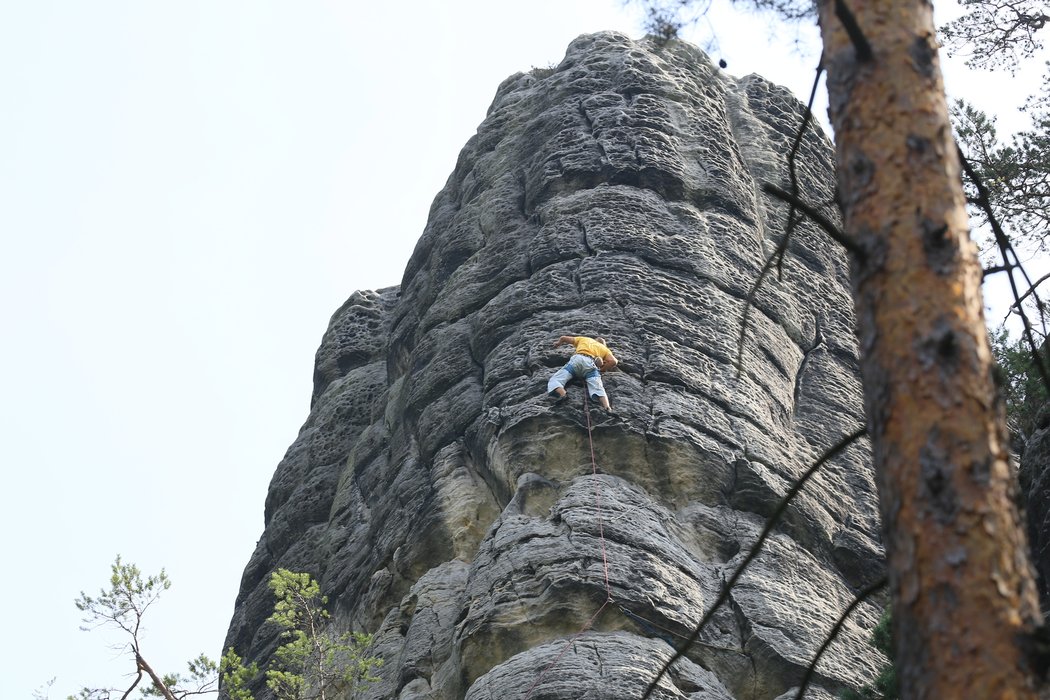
[[188, 190]]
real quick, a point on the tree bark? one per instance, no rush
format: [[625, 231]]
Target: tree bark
[[963, 592]]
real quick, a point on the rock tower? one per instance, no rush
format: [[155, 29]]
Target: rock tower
[[448, 506]]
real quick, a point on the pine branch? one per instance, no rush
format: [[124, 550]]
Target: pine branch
[[1006, 250]]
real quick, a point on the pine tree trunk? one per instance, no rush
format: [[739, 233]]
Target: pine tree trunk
[[963, 591]]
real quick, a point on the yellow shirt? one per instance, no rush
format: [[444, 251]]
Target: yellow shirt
[[590, 347]]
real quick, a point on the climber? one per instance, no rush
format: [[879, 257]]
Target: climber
[[590, 359]]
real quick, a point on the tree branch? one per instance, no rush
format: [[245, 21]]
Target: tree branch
[[158, 682], [996, 269], [749, 302], [1031, 290], [807, 117], [138, 677], [856, 36], [983, 200], [812, 668], [752, 553], [792, 220], [833, 231]]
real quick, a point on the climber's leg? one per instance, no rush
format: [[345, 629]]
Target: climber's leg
[[597, 390], [556, 384]]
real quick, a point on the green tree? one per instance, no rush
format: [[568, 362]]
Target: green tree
[[996, 33], [309, 665], [1014, 177], [236, 676], [1015, 173], [312, 662], [123, 606], [1021, 385], [1002, 35]]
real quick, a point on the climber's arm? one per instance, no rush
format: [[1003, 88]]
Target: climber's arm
[[565, 340]]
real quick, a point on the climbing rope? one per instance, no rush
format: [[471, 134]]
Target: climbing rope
[[597, 500], [651, 626], [605, 558]]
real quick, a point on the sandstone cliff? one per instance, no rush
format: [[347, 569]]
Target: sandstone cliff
[[446, 504]]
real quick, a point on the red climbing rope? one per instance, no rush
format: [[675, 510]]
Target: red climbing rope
[[597, 500], [605, 558], [552, 664]]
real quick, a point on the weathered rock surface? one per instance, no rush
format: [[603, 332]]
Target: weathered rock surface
[[445, 504]]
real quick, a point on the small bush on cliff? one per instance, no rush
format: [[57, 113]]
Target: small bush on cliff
[[313, 662], [542, 72]]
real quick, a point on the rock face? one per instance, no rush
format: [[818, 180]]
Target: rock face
[[447, 505]]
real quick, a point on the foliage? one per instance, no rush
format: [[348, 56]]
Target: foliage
[[307, 666], [1022, 387], [123, 606], [44, 691], [312, 661], [202, 678], [126, 601], [884, 687], [542, 72], [996, 33], [665, 19], [236, 677], [1016, 174]]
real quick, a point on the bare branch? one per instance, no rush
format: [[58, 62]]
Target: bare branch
[[792, 220], [812, 668], [138, 677], [1031, 290], [807, 117], [996, 269], [833, 231], [752, 553], [750, 301]]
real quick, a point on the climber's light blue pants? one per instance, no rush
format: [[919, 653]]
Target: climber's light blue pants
[[580, 367]]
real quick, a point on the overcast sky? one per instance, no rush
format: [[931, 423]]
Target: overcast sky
[[188, 190]]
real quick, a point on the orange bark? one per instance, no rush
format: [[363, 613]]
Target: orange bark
[[963, 590]]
